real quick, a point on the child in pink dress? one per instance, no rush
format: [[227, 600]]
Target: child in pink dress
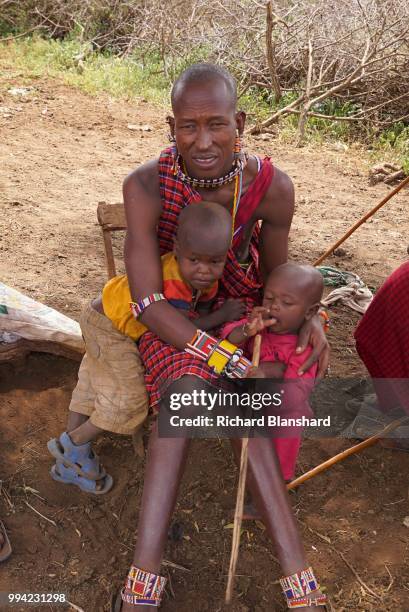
[[292, 295]]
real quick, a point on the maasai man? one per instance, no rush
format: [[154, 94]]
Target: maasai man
[[382, 340], [206, 128]]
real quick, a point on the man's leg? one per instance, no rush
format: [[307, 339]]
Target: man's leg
[[270, 496], [165, 464]]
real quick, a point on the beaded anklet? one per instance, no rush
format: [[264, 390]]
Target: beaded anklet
[[298, 588], [145, 588]]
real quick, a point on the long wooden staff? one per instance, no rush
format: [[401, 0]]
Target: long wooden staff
[[346, 453], [241, 487], [361, 220]]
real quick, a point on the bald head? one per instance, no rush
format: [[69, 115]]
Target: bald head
[[204, 74], [205, 226], [302, 278]]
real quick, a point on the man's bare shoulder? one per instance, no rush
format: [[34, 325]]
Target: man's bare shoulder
[[143, 183], [278, 203]]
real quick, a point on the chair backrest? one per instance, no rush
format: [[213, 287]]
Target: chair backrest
[[111, 218]]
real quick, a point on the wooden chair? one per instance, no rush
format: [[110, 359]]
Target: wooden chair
[[111, 218]]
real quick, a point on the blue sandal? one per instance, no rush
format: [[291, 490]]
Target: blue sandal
[[68, 475], [81, 458]]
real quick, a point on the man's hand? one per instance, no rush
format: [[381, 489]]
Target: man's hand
[[312, 333], [232, 310]]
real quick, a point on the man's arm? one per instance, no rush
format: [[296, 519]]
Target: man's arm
[[276, 212], [142, 257]]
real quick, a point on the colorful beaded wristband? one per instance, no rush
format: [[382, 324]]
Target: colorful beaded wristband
[[221, 355], [145, 588], [137, 308], [299, 584]]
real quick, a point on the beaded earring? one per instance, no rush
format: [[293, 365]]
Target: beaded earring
[[238, 151]]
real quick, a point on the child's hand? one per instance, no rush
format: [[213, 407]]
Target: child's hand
[[232, 310], [258, 321]]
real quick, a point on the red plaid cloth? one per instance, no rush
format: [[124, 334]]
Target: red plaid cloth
[[163, 363], [382, 339]]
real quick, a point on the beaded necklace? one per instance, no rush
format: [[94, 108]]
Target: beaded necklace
[[235, 174], [236, 201], [238, 167]]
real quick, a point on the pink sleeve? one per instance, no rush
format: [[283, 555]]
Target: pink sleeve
[[296, 361], [227, 328]]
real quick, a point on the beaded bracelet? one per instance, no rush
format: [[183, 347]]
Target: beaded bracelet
[[221, 355], [145, 588], [137, 308]]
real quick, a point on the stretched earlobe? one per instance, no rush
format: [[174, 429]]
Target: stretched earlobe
[[312, 311]]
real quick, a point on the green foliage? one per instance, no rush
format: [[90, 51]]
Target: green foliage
[[395, 140], [78, 65], [142, 75]]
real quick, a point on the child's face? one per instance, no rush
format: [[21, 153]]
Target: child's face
[[285, 302], [198, 269]]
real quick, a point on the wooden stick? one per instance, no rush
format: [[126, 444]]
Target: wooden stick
[[346, 453], [361, 221], [241, 487]]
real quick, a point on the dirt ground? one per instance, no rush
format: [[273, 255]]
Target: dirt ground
[[61, 153]]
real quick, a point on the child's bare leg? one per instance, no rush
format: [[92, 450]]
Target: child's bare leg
[[271, 499], [75, 419], [86, 432]]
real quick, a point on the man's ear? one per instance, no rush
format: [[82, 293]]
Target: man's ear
[[170, 120], [312, 310], [240, 121]]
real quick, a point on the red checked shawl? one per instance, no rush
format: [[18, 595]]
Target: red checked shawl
[[163, 363], [382, 338]]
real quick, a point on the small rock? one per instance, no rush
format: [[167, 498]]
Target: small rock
[[339, 146], [340, 252], [406, 521], [20, 91], [140, 128]]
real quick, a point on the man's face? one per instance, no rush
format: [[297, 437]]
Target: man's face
[[287, 303], [205, 123], [200, 269]]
